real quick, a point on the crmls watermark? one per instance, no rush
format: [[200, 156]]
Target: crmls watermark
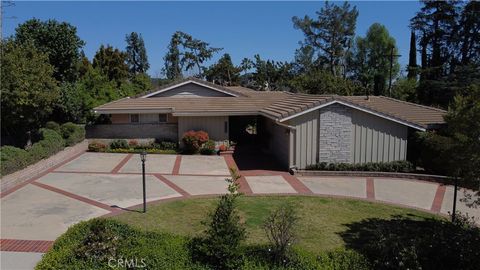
[[127, 263]]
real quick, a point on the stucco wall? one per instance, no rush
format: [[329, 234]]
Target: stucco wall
[[335, 134], [214, 125], [133, 131], [191, 90]]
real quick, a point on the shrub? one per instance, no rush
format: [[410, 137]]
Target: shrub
[[97, 147], [50, 144], [208, 148], [222, 147], [13, 159], [280, 230], [116, 144], [193, 140], [132, 143], [72, 133], [393, 166], [341, 259], [165, 145], [53, 126], [220, 245], [433, 152]]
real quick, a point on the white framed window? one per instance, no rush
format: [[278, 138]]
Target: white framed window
[[134, 118]]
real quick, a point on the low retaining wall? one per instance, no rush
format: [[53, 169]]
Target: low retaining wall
[[16, 178], [133, 131], [425, 177]]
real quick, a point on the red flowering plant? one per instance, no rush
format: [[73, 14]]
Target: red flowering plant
[[193, 140], [202, 137]]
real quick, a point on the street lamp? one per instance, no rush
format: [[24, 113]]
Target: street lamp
[[143, 158]]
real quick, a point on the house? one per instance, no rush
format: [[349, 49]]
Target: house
[[298, 129]]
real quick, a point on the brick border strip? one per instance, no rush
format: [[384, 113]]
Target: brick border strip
[[296, 184], [16, 245], [438, 199], [121, 164]]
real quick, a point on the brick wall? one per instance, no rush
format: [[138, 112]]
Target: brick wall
[[16, 178], [335, 134], [133, 131]]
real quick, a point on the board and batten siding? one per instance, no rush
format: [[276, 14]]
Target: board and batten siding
[[191, 90], [305, 141], [375, 139], [215, 126]]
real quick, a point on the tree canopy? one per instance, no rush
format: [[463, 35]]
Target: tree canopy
[[111, 62], [136, 54]]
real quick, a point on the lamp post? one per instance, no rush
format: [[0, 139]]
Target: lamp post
[[143, 157]]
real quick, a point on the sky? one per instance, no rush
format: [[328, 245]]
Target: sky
[[242, 29]]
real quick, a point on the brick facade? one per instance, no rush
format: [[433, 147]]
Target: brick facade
[[335, 134]]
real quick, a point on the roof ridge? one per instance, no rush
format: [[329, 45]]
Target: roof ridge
[[411, 103]]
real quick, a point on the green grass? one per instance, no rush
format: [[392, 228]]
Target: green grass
[[321, 219]]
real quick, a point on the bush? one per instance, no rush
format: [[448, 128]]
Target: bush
[[280, 230], [208, 148], [97, 147], [393, 166], [433, 152], [117, 144], [165, 145], [341, 259], [72, 133], [50, 144], [13, 159], [132, 143], [53, 126], [193, 140], [220, 245]]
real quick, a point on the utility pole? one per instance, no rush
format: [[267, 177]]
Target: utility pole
[[391, 56]]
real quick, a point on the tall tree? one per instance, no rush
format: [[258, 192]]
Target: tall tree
[[136, 54], [111, 62], [470, 34], [412, 57], [371, 58], [223, 72], [330, 34], [173, 68], [28, 89], [59, 40]]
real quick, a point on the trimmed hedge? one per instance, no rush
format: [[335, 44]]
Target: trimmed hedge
[[53, 140], [95, 243], [393, 166], [132, 146]]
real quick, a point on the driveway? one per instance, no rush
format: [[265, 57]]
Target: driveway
[[90, 185]]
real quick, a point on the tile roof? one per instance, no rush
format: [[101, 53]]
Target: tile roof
[[275, 105]]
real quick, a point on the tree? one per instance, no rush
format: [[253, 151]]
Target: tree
[[470, 34], [412, 57], [28, 89], [370, 58], [223, 72], [136, 54], [331, 34], [321, 82], [269, 74], [111, 62], [58, 40], [173, 68]]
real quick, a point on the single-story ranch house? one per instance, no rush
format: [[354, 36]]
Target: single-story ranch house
[[298, 129]]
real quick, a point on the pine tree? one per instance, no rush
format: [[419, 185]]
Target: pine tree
[[136, 54], [173, 68], [412, 57]]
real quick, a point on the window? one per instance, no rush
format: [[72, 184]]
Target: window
[[134, 118], [162, 118]]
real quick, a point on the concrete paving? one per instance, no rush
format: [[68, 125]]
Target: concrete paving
[[340, 186], [34, 213], [204, 165], [269, 184], [19, 260], [401, 191], [122, 190], [93, 162], [200, 185], [447, 204], [154, 164]]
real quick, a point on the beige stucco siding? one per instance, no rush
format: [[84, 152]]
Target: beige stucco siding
[[191, 90], [305, 139], [216, 126], [375, 139]]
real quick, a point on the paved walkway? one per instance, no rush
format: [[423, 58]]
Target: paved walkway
[[90, 185]]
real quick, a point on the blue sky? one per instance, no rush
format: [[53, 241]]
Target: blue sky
[[241, 28]]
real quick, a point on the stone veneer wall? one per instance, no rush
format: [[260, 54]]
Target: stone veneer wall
[[335, 134], [133, 131], [16, 178]]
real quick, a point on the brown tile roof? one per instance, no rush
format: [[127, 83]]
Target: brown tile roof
[[276, 105]]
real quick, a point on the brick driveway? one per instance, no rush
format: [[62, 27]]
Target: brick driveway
[[95, 184]]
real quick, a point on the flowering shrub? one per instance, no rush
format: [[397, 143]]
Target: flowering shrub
[[222, 147], [132, 143], [202, 137], [97, 147], [193, 140]]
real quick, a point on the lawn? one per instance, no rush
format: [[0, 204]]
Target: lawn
[[321, 219]]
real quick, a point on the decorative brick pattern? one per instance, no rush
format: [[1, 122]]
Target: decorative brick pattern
[[15, 245], [176, 166], [335, 134], [17, 178], [122, 163], [172, 185], [370, 188], [438, 199], [299, 187]]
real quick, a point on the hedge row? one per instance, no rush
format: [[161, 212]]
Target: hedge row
[[54, 138], [132, 146], [393, 166], [100, 243]]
